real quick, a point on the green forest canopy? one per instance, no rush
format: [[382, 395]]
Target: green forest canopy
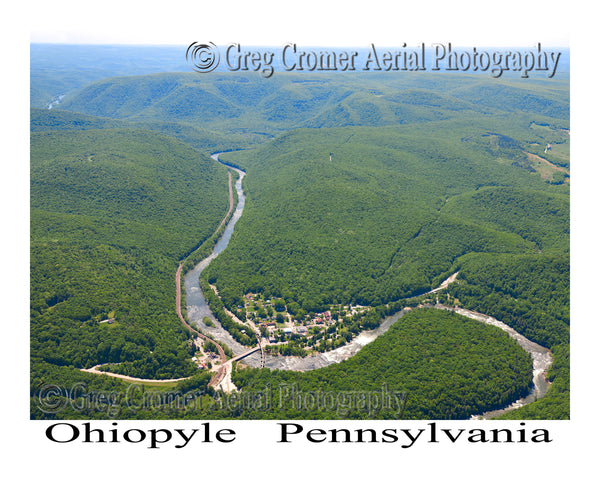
[[430, 175], [112, 213]]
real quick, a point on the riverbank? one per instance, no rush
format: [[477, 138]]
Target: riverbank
[[197, 309]]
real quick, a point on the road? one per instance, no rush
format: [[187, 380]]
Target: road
[[223, 358], [95, 370], [222, 378]]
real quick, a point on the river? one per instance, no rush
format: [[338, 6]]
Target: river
[[197, 309]]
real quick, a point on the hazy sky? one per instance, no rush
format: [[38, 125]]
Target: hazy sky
[[309, 22]]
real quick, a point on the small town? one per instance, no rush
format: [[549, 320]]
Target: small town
[[273, 320], [282, 332]]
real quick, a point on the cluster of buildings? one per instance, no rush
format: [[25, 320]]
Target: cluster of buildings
[[289, 327]]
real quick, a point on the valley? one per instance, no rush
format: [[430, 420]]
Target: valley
[[363, 195]]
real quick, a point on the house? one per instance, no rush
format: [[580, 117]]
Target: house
[[301, 330]]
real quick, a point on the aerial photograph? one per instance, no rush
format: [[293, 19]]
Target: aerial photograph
[[363, 237], [312, 245]]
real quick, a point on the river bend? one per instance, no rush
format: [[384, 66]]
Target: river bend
[[197, 309]]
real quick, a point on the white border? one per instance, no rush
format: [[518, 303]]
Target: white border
[[312, 22]]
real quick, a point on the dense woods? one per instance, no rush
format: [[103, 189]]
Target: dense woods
[[450, 367], [392, 202], [112, 213], [360, 189], [529, 293]]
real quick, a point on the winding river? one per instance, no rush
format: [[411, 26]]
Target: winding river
[[197, 309]]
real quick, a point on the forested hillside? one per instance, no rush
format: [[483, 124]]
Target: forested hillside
[[112, 213], [361, 189], [391, 202], [221, 102], [411, 204], [60, 68], [199, 138], [450, 367]]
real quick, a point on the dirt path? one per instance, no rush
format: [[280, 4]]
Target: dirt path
[[546, 175], [95, 370], [547, 162], [445, 283], [223, 370]]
